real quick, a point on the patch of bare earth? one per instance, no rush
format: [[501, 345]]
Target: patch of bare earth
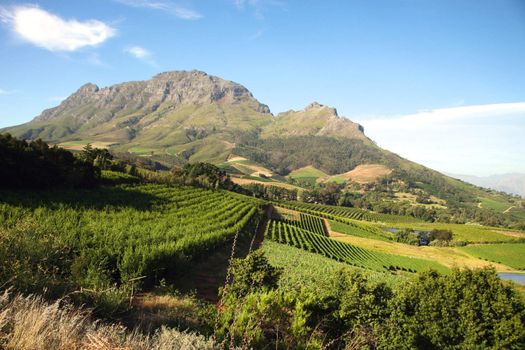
[[241, 181], [233, 158], [366, 173], [511, 233]]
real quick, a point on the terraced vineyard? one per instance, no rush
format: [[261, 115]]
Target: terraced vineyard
[[361, 229], [285, 233], [335, 213], [131, 231], [310, 223]]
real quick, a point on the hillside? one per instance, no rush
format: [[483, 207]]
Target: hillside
[[189, 116], [181, 262]]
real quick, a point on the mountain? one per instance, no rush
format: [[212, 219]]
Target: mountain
[[513, 183], [189, 116], [193, 109]]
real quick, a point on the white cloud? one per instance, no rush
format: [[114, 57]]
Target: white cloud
[[141, 54], [166, 6], [478, 140], [426, 119], [53, 33]]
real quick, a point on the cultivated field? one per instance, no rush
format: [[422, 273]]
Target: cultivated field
[[126, 232], [512, 254], [282, 232]]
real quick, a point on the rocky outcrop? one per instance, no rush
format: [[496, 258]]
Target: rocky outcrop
[[173, 88]]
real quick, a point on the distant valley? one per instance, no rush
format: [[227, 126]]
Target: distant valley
[[513, 183]]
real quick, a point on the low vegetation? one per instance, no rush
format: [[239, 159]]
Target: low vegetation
[[289, 234], [510, 254], [31, 323], [126, 247]]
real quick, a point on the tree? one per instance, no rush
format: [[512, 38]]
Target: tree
[[468, 309]]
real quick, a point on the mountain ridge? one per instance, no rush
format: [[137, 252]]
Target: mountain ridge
[[180, 114]]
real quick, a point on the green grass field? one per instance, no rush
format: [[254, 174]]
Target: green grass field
[[307, 172], [142, 150], [498, 206], [512, 254], [467, 233]]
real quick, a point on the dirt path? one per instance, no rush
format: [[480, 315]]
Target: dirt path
[[205, 277], [332, 233], [509, 209]]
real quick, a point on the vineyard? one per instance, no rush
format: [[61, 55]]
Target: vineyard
[[308, 222], [361, 229], [285, 233], [336, 213], [124, 232]]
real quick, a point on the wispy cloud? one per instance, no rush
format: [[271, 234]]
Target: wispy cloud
[[165, 6], [51, 32], [477, 139], [7, 92], [444, 116], [142, 54], [259, 7], [256, 35]]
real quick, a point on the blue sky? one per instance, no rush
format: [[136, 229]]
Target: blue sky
[[439, 82]]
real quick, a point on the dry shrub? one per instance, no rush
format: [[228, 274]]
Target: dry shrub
[[31, 323]]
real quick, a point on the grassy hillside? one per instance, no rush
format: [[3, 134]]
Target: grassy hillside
[[509, 254]]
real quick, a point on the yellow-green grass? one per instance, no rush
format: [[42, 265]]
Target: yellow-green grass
[[470, 233], [448, 256], [78, 145], [144, 150], [337, 179], [307, 172], [489, 203], [248, 181], [511, 254]]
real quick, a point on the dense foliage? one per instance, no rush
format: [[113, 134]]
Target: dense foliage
[[36, 165], [331, 155], [463, 310], [56, 241]]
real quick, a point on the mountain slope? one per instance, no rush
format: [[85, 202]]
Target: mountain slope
[[182, 116], [174, 108]]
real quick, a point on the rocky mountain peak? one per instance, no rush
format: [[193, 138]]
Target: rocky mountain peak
[[87, 88], [170, 89], [316, 106]]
